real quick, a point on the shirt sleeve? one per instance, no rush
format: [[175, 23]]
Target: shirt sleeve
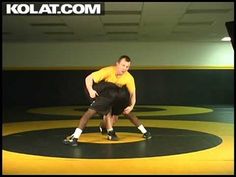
[[101, 74]]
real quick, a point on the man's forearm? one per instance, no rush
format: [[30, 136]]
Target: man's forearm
[[89, 82], [133, 99]]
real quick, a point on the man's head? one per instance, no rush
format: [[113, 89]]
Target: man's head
[[123, 64]]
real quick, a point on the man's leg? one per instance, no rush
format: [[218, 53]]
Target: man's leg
[[138, 124], [84, 119], [111, 135], [73, 139], [103, 124], [133, 119]]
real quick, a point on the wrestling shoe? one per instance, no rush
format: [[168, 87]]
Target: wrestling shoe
[[71, 140], [102, 130], [147, 135], [111, 135]]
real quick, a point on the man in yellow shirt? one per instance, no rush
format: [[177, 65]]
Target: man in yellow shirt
[[116, 78]]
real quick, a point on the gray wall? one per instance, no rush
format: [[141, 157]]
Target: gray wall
[[159, 54]]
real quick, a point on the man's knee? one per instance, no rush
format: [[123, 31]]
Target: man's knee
[[131, 116], [128, 115], [89, 113]]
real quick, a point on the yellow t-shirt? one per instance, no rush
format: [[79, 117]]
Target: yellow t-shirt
[[108, 74]]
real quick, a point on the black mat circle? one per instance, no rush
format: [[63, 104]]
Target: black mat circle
[[165, 141]]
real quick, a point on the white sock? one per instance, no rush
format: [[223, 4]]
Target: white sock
[[110, 129], [142, 129], [77, 133]]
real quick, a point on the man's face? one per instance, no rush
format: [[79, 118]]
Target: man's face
[[122, 66]]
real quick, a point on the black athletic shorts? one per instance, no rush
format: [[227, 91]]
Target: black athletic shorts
[[111, 98]]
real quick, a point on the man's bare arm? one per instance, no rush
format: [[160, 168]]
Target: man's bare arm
[[128, 109], [89, 86]]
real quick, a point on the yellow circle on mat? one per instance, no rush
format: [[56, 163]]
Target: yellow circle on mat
[[167, 110], [124, 137]]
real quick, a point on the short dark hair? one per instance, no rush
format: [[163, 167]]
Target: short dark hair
[[124, 57]]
